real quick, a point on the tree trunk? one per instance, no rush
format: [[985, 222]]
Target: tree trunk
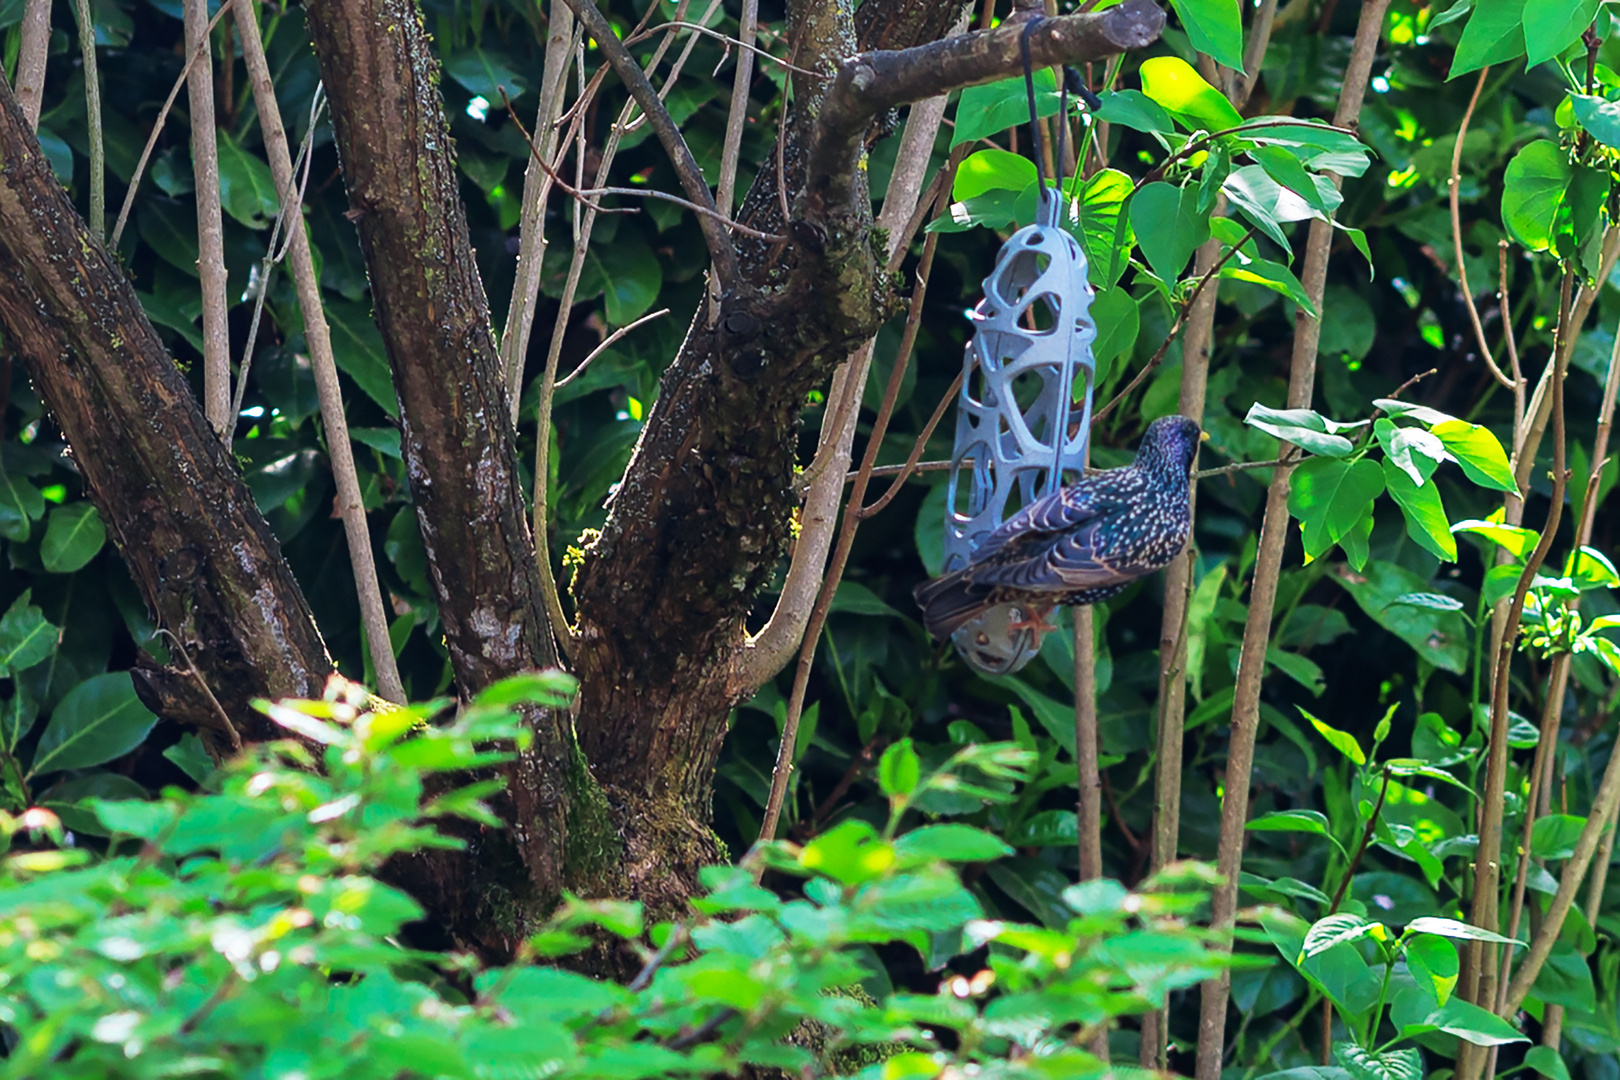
[[235, 622], [694, 532]]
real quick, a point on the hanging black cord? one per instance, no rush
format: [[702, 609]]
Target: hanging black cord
[[1029, 87]]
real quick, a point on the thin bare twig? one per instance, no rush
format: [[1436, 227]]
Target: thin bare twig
[[769, 650], [276, 249], [1457, 244], [560, 35], [211, 271], [191, 669], [916, 450], [1478, 979], [607, 343], [32, 53], [1268, 568], [92, 107], [731, 148], [696, 28], [350, 503], [157, 126], [549, 592], [680, 155], [1507, 337], [846, 538]]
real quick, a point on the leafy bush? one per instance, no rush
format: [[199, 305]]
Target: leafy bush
[[245, 933]]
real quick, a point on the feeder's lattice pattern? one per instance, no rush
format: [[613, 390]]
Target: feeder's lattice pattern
[[1002, 447]]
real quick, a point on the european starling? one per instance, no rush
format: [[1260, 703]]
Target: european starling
[[1079, 545]]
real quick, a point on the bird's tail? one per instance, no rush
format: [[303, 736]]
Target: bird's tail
[[949, 601]]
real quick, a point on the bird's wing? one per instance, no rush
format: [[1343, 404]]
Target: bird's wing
[[1063, 510], [1083, 537], [1051, 562]]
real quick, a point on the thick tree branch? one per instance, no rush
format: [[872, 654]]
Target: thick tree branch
[[168, 491], [873, 82], [396, 152]]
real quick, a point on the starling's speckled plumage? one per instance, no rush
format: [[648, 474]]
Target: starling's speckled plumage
[[1079, 545]]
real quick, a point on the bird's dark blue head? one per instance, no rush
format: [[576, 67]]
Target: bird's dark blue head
[[1169, 446]]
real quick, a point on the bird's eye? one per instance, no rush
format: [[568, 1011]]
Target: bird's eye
[[983, 638]]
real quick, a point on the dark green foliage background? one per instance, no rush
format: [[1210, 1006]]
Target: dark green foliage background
[[1337, 649]]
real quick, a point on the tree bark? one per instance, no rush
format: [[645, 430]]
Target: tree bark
[[202, 555], [399, 169]]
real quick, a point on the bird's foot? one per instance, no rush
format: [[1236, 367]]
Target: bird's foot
[[1034, 619]]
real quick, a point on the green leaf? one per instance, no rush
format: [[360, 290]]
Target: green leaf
[[627, 275], [191, 757], [1416, 452], [1517, 540], [1168, 226], [1172, 82], [1306, 821], [1478, 1026], [1330, 497], [1494, 35], [486, 72], [69, 799], [1566, 979], [1342, 741], [1055, 716], [1440, 637], [1118, 321], [1045, 828], [951, 843], [1287, 171], [1554, 836], [99, 720], [1433, 963], [850, 852], [17, 716], [899, 769], [1599, 116], [358, 349], [992, 170], [1533, 192], [73, 536], [1302, 427], [163, 311], [1271, 275], [1478, 452], [20, 504], [1215, 28], [247, 190], [994, 107], [1135, 110], [1433, 601], [1266, 203], [1332, 930], [26, 637], [1551, 26], [1364, 1064], [1103, 229], [1546, 1061], [1460, 931], [853, 598], [1425, 513]]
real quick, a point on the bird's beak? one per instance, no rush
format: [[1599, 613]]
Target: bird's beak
[[1203, 436]]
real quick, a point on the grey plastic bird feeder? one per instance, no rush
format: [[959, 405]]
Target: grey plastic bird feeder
[[1024, 414]]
